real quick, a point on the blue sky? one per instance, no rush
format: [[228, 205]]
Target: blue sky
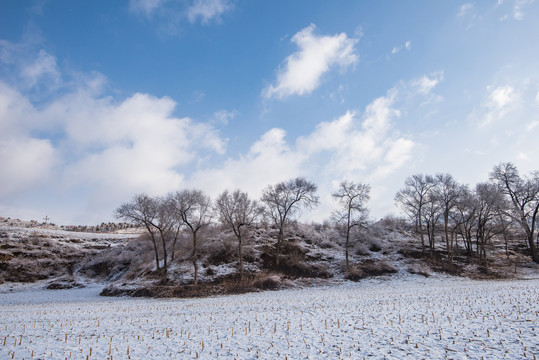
[[100, 100]]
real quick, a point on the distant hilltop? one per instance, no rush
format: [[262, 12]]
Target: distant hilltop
[[101, 228]]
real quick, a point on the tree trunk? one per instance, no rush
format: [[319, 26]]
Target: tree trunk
[[240, 255], [165, 268], [430, 231], [195, 255], [156, 251], [533, 248], [422, 239], [173, 250], [446, 231], [506, 244], [347, 246], [163, 241], [420, 223], [454, 244], [278, 247], [470, 240]]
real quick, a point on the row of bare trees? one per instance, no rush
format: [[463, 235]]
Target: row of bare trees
[[165, 217], [191, 211], [439, 204]]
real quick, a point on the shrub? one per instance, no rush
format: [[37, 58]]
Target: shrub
[[377, 268], [354, 273], [267, 281], [419, 269], [374, 247]]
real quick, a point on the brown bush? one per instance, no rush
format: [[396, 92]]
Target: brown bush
[[221, 255], [267, 281], [419, 269], [377, 268], [64, 284], [5, 257], [374, 247], [354, 273], [411, 253], [449, 268]]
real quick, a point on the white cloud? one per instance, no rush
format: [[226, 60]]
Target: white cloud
[[518, 8], [537, 98], [399, 153], [145, 7], [27, 67], [522, 156], [501, 97], [44, 65], [224, 116], [425, 84], [16, 111], [348, 147], [104, 150], [532, 125], [269, 160], [499, 102], [516, 11], [207, 10], [136, 145], [469, 15], [354, 144], [301, 71], [169, 15], [465, 9], [25, 162], [407, 45]]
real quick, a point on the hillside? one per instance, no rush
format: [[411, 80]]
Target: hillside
[[122, 260]]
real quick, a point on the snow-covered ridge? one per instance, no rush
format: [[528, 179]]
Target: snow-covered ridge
[[65, 234]]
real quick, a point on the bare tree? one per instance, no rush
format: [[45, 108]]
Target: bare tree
[[285, 199], [168, 226], [447, 192], [239, 212], [507, 223], [413, 198], [464, 218], [490, 202], [143, 211], [431, 216], [524, 197], [165, 222], [353, 212], [194, 209], [175, 233]]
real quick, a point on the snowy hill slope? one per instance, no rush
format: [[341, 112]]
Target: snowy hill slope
[[313, 254]]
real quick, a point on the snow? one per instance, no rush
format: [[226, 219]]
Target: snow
[[18, 231], [393, 318]]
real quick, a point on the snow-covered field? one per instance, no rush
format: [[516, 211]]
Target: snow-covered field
[[411, 317]]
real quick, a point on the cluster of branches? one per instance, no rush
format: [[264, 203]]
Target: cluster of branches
[[165, 218], [440, 204]]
